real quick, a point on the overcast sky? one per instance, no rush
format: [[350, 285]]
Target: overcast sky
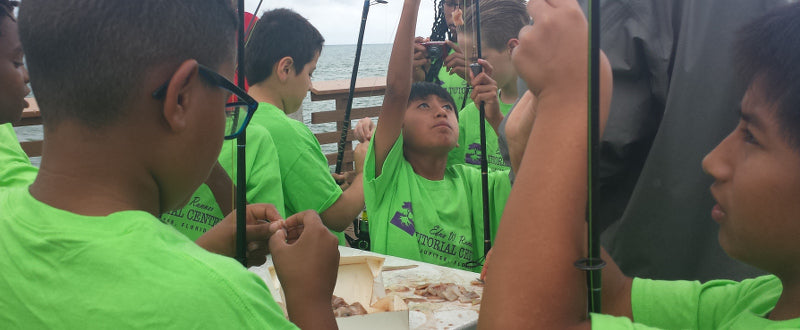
[[339, 20]]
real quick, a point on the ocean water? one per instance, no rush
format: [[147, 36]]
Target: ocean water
[[335, 63]]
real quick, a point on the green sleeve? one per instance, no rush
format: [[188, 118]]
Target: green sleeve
[[308, 184], [499, 189], [15, 167], [391, 166], [711, 305], [264, 183]]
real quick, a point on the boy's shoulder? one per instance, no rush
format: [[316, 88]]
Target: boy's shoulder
[[121, 265], [280, 127]]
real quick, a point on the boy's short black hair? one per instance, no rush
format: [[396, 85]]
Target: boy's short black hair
[[7, 11], [278, 34], [768, 52], [423, 89], [88, 58]]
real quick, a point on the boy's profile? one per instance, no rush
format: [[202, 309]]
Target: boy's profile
[[133, 100], [428, 211], [282, 55], [496, 86], [756, 185], [15, 167]]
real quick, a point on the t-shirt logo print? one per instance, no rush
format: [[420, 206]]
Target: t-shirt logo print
[[473, 155], [403, 219]]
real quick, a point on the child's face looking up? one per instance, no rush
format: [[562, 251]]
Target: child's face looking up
[[298, 84], [430, 123], [13, 75], [757, 186]]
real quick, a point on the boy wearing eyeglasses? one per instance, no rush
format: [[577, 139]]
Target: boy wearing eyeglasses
[[133, 124], [281, 56]]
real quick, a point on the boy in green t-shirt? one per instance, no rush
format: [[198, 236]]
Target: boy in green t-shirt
[[15, 167], [419, 207], [756, 171], [133, 124], [282, 55], [496, 86]]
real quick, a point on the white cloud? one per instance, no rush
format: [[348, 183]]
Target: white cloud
[[339, 20]]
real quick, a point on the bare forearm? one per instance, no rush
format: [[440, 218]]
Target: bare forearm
[[398, 85], [311, 314], [342, 213], [553, 293]]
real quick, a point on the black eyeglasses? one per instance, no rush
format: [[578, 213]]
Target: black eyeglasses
[[452, 4], [237, 114]]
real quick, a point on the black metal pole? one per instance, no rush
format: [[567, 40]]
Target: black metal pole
[[476, 69], [346, 122], [241, 174], [594, 274]]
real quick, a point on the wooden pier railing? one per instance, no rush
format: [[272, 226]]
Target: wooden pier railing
[[336, 90]]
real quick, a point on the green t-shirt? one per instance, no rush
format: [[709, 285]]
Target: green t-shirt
[[469, 140], [263, 185], [198, 216], [15, 167], [263, 168], [439, 222], [305, 175], [719, 304], [124, 270], [455, 85]]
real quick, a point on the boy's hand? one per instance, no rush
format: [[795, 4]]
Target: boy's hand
[[421, 61], [551, 55], [455, 62], [306, 260], [359, 155], [484, 89], [345, 179], [221, 239], [364, 129]]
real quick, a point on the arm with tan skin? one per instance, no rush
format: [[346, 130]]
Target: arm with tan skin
[[455, 62], [544, 289], [342, 213], [306, 261], [222, 187], [398, 86]]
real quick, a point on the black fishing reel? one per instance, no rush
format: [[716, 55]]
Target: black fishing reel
[[361, 230]]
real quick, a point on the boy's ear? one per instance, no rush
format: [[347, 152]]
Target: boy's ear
[[284, 68], [177, 100], [512, 43]]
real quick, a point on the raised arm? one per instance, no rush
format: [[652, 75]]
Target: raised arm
[[531, 281], [398, 85]]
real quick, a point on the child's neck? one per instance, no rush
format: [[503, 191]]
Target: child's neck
[[427, 165], [788, 305], [509, 92], [266, 92], [96, 177]]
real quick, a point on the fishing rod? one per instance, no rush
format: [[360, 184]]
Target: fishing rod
[[593, 264], [476, 69], [241, 166], [354, 75]]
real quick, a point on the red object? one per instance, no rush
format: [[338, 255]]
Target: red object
[[249, 23]]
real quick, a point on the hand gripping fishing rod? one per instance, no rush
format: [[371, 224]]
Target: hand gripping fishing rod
[[476, 70], [593, 264]]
